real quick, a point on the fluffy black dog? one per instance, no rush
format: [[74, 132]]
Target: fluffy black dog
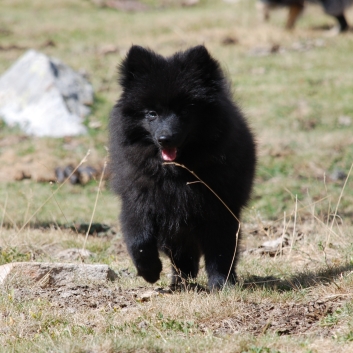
[[179, 109]]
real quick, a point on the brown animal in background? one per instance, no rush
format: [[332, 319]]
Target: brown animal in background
[[333, 8], [295, 7]]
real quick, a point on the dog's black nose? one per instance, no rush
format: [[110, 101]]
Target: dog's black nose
[[164, 140]]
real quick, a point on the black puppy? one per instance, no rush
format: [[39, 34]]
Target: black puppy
[[179, 109]]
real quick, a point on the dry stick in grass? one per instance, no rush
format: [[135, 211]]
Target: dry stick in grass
[[283, 233], [303, 207], [95, 205], [73, 223], [28, 197], [7, 215], [329, 203], [52, 195], [224, 204], [316, 217], [338, 203], [4, 212], [294, 237]]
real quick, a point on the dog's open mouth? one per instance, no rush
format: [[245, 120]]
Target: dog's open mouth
[[169, 154]]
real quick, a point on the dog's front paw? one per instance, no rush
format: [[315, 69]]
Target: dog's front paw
[[151, 272]]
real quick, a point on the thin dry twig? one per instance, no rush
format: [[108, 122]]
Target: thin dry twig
[[312, 213], [338, 203], [62, 212], [305, 206], [202, 182], [53, 193], [4, 212], [294, 236], [95, 205], [283, 232]]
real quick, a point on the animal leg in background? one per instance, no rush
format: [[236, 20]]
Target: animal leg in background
[[293, 15], [342, 23], [296, 7]]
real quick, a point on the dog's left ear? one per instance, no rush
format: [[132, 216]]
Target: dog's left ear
[[198, 53], [137, 63], [200, 58], [201, 65]]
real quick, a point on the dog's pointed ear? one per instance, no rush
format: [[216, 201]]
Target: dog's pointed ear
[[138, 62], [199, 61], [198, 53], [200, 57]]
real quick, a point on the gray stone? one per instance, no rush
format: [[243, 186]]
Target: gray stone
[[271, 247], [73, 254], [44, 96], [56, 274], [338, 174]]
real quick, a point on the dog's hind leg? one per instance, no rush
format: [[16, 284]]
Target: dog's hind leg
[[221, 255], [185, 261]]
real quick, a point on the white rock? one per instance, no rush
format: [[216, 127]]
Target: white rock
[[44, 97]]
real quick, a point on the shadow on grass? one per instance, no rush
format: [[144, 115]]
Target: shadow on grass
[[80, 228], [298, 281]]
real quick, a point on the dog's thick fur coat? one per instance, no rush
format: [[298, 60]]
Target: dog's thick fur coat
[[179, 109]]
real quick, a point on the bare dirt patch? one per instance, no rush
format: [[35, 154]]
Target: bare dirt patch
[[282, 318], [82, 297]]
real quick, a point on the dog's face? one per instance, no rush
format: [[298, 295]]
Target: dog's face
[[169, 130], [164, 100]]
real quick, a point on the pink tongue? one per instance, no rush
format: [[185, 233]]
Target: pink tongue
[[169, 154]]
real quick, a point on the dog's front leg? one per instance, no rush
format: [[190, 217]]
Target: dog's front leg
[[142, 247]]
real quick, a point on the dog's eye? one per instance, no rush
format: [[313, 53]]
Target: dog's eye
[[151, 115]]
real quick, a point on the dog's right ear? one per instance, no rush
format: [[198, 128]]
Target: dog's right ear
[[137, 63]]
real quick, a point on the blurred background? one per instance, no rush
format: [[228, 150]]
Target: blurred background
[[295, 87]]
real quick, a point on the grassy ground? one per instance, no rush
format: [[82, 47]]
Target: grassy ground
[[295, 89]]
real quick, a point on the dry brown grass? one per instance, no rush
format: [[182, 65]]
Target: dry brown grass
[[295, 300]]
